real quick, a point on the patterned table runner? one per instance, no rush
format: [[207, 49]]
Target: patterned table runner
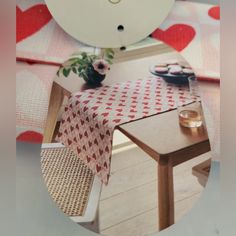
[[91, 116]]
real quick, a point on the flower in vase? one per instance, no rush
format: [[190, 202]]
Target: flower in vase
[[101, 66]]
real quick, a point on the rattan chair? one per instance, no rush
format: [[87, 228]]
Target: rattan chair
[[71, 184]]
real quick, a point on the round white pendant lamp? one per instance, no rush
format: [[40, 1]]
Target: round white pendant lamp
[[109, 23]]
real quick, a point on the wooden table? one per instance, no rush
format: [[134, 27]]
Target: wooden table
[[160, 136], [163, 139]]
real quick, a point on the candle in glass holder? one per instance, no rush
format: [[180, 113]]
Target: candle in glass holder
[[191, 115]]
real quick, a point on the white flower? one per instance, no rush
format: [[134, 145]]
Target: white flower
[[101, 66]]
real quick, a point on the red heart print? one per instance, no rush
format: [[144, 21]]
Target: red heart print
[[86, 102], [119, 114], [178, 36], [78, 150], [84, 147], [86, 134], [78, 96], [77, 126], [107, 149], [97, 126], [119, 110], [91, 129], [80, 136], [69, 141], [105, 165], [95, 108], [105, 121], [66, 132], [31, 136], [88, 159], [102, 136], [117, 121], [95, 141], [87, 119], [77, 103], [132, 110], [94, 156], [75, 139], [82, 122], [214, 12], [131, 116], [66, 109], [62, 121], [108, 104], [105, 114], [98, 168], [74, 115], [94, 115], [108, 133], [68, 119], [85, 109], [121, 105], [59, 134], [100, 151], [71, 128], [31, 21], [90, 144]]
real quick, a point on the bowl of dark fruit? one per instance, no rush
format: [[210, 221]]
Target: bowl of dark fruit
[[173, 72]]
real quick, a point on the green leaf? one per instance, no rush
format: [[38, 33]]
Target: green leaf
[[74, 70], [66, 72]]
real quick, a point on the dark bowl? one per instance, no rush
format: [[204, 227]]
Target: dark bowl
[[170, 78]]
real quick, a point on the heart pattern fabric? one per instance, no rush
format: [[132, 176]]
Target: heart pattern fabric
[[189, 29], [30, 21], [39, 38], [90, 117], [214, 12], [178, 36]]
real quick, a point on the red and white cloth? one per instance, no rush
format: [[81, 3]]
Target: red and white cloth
[[39, 38], [33, 88], [91, 116], [191, 28]]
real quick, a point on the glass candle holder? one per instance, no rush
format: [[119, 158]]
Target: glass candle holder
[[193, 86], [191, 115]]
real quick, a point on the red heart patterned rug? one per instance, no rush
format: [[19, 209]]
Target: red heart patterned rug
[[214, 12], [178, 36], [30, 21]]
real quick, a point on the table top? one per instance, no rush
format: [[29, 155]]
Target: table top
[[161, 135]]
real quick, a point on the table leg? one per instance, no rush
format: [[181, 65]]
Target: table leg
[[56, 99], [165, 194]]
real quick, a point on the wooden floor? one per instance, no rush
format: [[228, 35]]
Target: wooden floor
[[128, 205]]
